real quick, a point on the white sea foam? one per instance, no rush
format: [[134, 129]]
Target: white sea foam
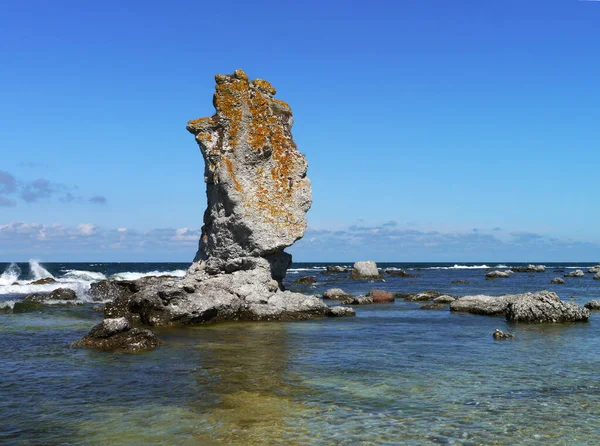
[[10, 275], [134, 276], [460, 267], [38, 271], [501, 266], [314, 268]]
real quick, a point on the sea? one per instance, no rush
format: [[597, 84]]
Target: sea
[[394, 374]]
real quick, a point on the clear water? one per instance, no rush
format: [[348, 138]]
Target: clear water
[[395, 374]]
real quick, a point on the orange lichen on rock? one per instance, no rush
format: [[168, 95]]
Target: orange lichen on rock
[[264, 86], [229, 165]]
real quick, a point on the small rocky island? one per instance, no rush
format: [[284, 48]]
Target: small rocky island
[[257, 198]]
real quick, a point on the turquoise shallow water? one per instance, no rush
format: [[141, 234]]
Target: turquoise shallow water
[[395, 374]]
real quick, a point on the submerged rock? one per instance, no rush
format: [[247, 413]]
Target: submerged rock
[[594, 269], [381, 297], [434, 306], [557, 281], [58, 294], [597, 276], [460, 282], [545, 307], [576, 273], [365, 270], [399, 273], [118, 334], [499, 334], [419, 297]]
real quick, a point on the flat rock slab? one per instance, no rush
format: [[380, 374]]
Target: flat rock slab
[[545, 308], [117, 334]]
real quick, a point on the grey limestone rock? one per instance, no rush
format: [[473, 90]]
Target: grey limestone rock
[[257, 198], [545, 307], [365, 270], [557, 281], [597, 276], [593, 305], [362, 300], [482, 304], [338, 294], [444, 299]]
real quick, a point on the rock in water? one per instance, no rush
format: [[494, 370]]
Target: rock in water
[[365, 270], [499, 334], [257, 198], [544, 307], [557, 281], [117, 334]]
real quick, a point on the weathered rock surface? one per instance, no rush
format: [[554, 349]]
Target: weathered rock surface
[[545, 307], [576, 273], [497, 275], [593, 305], [399, 273], [339, 311], [557, 281], [58, 294], [542, 306], [365, 270], [118, 334], [597, 276], [499, 334], [381, 296], [594, 269]]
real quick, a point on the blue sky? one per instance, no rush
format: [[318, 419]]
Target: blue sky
[[434, 129]]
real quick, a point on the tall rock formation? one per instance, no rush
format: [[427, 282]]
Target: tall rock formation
[[258, 195], [257, 189]]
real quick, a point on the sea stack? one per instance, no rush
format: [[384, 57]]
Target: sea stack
[[257, 198]]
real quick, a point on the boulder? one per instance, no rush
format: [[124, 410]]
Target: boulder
[[306, 280], [362, 300], [118, 334], [594, 269], [58, 294], [576, 273], [257, 198], [460, 282], [444, 299], [398, 273], [338, 294], [597, 276], [365, 270], [497, 275], [339, 311], [381, 297], [499, 334], [557, 281], [482, 304], [593, 305], [544, 307]]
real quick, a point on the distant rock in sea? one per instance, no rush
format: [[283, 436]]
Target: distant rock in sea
[[576, 273], [497, 275], [65, 294], [557, 281], [365, 270], [499, 334], [529, 269]]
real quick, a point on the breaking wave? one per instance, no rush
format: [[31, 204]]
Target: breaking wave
[[134, 276], [461, 267]]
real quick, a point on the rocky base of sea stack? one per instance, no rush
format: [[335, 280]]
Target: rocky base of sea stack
[[244, 295]]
